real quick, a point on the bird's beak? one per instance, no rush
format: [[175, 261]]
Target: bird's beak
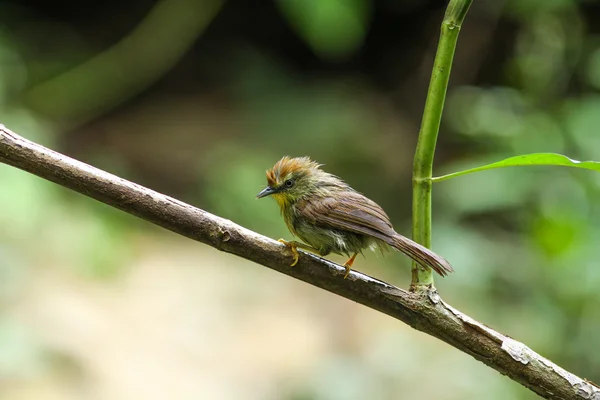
[[265, 192]]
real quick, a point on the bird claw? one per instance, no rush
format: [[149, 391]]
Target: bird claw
[[348, 269], [294, 250], [348, 264]]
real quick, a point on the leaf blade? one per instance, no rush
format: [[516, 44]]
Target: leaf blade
[[533, 159]]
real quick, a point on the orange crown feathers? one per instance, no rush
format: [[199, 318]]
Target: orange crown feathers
[[287, 166]]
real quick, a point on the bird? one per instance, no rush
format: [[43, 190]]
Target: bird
[[331, 217]]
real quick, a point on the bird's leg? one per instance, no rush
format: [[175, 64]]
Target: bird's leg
[[294, 245], [348, 264]]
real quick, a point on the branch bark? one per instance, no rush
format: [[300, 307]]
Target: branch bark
[[424, 311]]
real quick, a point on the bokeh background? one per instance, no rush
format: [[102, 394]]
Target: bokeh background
[[196, 98]]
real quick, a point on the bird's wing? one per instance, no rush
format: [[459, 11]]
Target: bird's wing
[[353, 212], [350, 211]]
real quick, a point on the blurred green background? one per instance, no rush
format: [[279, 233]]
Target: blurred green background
[[196, 99]]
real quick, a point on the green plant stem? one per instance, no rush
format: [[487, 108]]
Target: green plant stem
[[430, 125]]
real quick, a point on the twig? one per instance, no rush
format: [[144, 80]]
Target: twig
[[424, 311]]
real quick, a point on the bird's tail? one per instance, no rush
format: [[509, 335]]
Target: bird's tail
[[420, 254]]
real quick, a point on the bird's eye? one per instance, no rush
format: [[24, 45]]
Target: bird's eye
[[289, 183]]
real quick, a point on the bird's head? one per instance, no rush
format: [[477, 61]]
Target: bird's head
[[291, 179]]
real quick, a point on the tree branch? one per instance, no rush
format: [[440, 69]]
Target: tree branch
[[424, 311]]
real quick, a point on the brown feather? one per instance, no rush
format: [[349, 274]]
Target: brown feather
[[349, 210], [288, 166], [354, 212]]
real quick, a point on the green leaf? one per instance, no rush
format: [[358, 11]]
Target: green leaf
[[526, 160], [334, 29]]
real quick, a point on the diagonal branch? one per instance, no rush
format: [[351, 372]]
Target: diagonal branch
[[424, 311]]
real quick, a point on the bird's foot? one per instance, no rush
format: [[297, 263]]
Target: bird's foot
[[348, 264], [294, 250], [348, 269]]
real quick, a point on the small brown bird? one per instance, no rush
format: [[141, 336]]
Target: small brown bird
[[330, 216]]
